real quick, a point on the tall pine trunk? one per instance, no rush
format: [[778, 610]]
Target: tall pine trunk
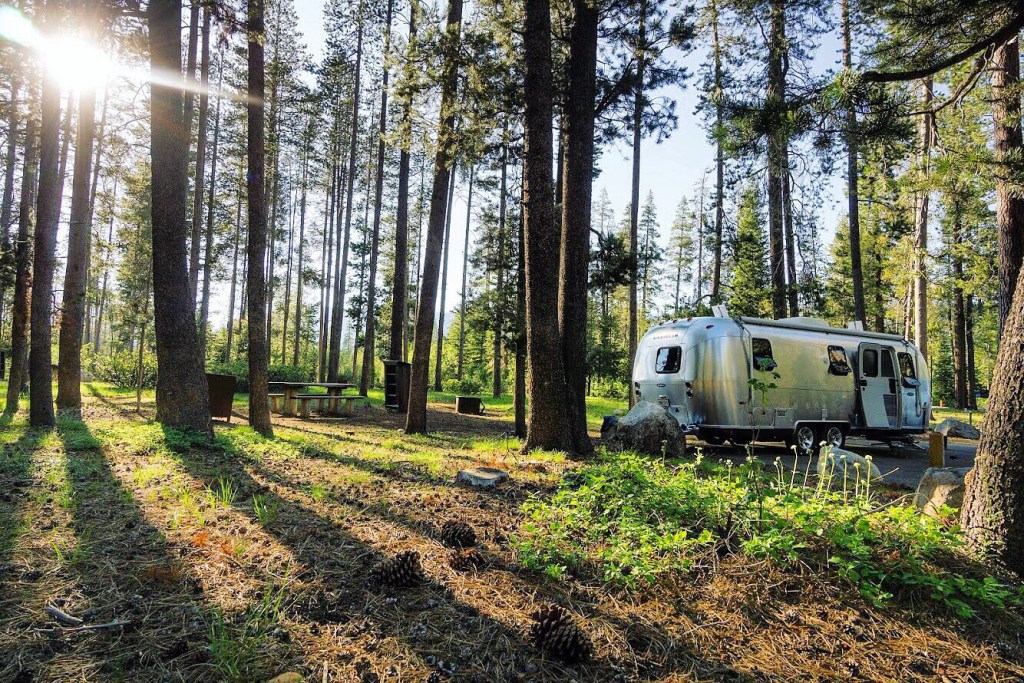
[[576, 214], [958, 316], [45, 242], [519, 400], [1008, 148], [777, 142], [204, 306], [401, 266], [300, 260], [341, 267], [719, 93], [852, 175], [197, 195], [76, 273], [993, 511], [634, 204], [378, 194], [416, 420], [259, 349], [924, 139], [548, 413], [234, 270], [182, 400], [465, 273], [22, 276], [499, 320], [438, 348]]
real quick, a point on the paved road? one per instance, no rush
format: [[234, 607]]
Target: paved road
[[902, 466]]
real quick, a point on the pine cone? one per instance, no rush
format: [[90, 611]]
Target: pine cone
[[555, 633], [457, 534], [466, 560], [401, 571]]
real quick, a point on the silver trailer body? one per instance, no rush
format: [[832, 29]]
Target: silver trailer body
[[715, 376]]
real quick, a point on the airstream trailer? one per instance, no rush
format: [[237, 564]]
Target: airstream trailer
[[796, 380]]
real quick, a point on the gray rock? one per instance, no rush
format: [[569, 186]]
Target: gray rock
[[485, 477], [957, 429], [647, 428], [833, 461], [941, 486]]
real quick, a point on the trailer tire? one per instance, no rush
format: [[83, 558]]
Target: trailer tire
[[834, 436], [804, 439], [713, 439]]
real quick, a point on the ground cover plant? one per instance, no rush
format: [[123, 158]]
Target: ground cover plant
[[249, 557]]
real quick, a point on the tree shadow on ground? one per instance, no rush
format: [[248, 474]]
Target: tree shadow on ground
[[121, 569], [428, 622]]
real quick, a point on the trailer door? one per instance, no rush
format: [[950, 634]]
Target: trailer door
[[875, 394]]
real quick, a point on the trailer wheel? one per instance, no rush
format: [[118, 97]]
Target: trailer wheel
[[804, 439], [834, 436], [713, 439]]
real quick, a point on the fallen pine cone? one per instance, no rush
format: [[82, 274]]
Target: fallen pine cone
[[401, 571], [466, 560], [555, 632], [458, 534]]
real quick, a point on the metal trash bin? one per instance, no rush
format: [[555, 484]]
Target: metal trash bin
[[222, 394], [396, 385]]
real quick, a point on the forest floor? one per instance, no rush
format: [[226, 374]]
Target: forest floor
[[249, 558]]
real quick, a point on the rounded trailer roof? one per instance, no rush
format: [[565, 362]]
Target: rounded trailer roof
[[797, 323]]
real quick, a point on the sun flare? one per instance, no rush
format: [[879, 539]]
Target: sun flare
[[75, 62]]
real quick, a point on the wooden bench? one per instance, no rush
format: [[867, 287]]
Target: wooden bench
[[308, 401], [276, 402]]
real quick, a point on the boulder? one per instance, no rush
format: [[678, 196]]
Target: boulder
[[646, 428], [957, 429], [834, 460], [941, 486], [484, 477]]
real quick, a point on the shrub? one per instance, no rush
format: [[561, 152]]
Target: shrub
[[121, 368], [467, 386], [277, 373], [637, 520]]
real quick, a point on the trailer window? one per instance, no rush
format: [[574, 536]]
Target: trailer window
[[907, 366], [887, 369], [869, 363], [762, 353], [668, 360], [837, 361]]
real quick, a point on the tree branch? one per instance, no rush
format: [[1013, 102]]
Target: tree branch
[[1004, 34]]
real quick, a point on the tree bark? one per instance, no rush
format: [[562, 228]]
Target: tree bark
[[444, 280], [22, 277], [7, 202], [98, 331], [792, 284], [182, 400], [576, 216], [465, 273], [777, 142], [45, 239], [519, 400], [259, 350], [416, 420], [197, 195], [993, 511], [924, 138], [548, 412], [1008, 145], [76, 274]]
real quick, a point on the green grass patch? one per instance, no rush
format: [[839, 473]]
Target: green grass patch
[[637, 520]]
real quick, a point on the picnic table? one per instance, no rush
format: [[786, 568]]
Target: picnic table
[[292, 393]]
